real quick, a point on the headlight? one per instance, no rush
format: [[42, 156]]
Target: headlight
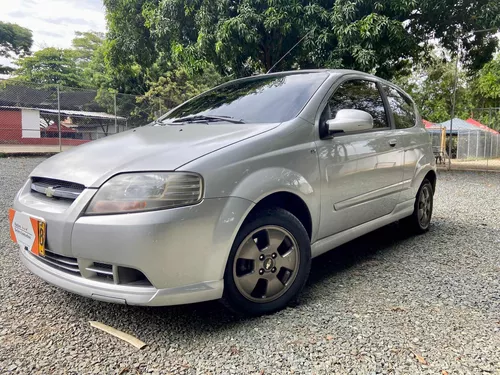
[[133, 192]]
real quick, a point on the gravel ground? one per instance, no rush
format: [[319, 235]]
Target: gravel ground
[[383, 304]]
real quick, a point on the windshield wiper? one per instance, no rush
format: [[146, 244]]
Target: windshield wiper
[[210, 118]]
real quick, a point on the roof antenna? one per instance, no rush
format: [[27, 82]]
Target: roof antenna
[[290, 50]]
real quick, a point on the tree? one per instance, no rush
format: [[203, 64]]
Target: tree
[[431, 86], [477, 95], [159, 69], [81, 66], [245, 37], [162, 50], [88, 50], [85, 44], [50, 66], [487, 87], [129, 50], [486, 90], [451, 23], [14, 41]]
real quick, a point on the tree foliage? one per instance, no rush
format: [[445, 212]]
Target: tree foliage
[[14, 41], [85, 45], [487, 88], [431, 86], [88, 50], [50, 66], [477, 95], [79, 66], [248, 36], [168, 50]]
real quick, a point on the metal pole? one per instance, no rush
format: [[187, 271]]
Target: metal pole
[[477, 145], [468, 146], [443, 140], [453, 102], [59, 116], [491, 147], [490, 154], [485, 145], [498, 139], [458, 141], [116, 125], [498, 142]]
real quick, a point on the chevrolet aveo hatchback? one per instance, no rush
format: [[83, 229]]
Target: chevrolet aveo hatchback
[[229, 195]]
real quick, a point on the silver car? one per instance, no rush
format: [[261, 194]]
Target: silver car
[[229, 195]]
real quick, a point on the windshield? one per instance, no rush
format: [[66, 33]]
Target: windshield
[[264, 99]]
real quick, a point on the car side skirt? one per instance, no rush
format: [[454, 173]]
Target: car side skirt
[[401, 211]]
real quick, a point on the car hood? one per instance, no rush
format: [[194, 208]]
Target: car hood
[[150, 148]]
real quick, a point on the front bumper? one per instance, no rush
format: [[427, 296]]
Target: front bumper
[[182, 252], [147, 296]]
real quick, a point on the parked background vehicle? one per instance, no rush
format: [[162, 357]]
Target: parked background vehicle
[[232, 193]]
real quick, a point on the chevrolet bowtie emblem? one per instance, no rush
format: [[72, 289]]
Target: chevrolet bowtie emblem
[[49, 192]]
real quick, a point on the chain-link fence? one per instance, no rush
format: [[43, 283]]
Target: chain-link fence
[[476, 145], [53, 116]]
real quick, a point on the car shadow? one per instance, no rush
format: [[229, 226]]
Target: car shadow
[[187, 321], [353, 253]]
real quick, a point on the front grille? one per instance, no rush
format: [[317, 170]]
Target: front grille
[[61, 262], [56, 188]]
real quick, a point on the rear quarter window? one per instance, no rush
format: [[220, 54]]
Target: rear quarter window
[[402, 108]]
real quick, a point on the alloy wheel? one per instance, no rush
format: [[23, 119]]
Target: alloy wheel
[[425, 206], [266, 264]]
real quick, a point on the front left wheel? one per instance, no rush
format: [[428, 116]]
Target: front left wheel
[[269, 263]]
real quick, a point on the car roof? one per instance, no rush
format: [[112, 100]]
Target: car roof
[[331, 72], [304, 71], [337, 72]]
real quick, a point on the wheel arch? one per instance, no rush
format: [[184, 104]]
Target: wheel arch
[[284, 199], [426, 171], [432, 177], [289, 202]]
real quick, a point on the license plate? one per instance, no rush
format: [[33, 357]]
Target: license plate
[[28, 231]]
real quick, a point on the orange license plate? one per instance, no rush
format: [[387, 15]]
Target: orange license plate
[[28, 231]]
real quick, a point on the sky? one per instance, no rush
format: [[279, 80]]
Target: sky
[[53, 22]]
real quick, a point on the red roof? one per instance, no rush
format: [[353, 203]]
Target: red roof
[[428, 124], [481, 126], [53, 128]]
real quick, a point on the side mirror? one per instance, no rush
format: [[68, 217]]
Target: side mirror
[[350, 120]]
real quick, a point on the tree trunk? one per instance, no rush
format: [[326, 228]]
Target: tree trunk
[[267, 56]]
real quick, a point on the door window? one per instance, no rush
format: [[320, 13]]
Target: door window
[[402, 108], [357, 94]]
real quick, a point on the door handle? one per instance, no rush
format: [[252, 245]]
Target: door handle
[[392, 142]]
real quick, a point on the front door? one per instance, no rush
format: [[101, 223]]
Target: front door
[[361, 172]]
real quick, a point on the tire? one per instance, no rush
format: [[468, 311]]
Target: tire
[[268, 264], [420, 219]]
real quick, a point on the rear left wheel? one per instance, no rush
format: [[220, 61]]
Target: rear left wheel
[[420, 220], [268, 265]]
